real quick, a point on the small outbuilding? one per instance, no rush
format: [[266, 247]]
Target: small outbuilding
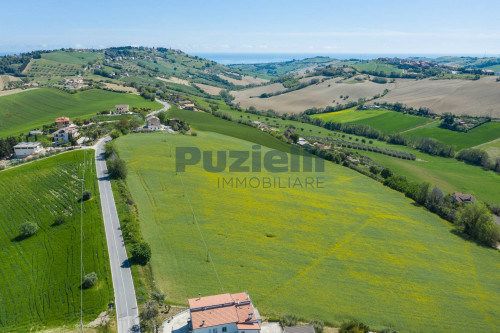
[[462, 198], [25, 149]]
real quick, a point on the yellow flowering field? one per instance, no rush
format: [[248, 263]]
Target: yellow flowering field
[[351, 249]]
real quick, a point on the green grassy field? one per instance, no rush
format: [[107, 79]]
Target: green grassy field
[[495, 68], [206, 122], [384, 120], [67, 57], [476, 136], [353, 249], [349, 115], [448, 174], [32, 109], [373, 66], [48, 68], [40, 276], [492, 148], [394, 122]]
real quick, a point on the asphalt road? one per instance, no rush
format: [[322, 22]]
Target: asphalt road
[[125, 300]]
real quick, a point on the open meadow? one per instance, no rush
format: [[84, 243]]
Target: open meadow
[[447, 173], [332, 253], [40, 276], [323, 94], [492, 148], [73, 57], [484, 133], [31, 109], [383, 120], [373, 66], [475, 98]]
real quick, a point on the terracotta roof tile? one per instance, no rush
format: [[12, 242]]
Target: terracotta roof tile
[[224, 309]]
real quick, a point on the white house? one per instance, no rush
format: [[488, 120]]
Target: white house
[[224, 313], [24, 149], [63, 135], [153, 123]]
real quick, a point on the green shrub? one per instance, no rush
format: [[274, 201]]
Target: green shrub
[[318, 326], [476, 221], [59, 219], [289, 320], [386, 173], [87, 194], [117, 168], [115, 134], [27, 229], [354, 326], [158, 296], [89, 280], [141, 253]]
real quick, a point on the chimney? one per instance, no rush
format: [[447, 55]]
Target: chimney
[[199, 295], [203, 323], [250, 316]]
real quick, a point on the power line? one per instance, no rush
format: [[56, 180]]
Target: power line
[[209, 256]]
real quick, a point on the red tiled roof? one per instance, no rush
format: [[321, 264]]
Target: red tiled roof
[[249, 326], [214, 317], [223, 309], [201, 302], [61, 119]]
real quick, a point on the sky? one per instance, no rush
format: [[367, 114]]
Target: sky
[[255, 26]]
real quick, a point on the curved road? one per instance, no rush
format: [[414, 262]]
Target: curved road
[[126, 304]]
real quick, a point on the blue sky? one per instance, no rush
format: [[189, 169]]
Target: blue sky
[[255, 26]]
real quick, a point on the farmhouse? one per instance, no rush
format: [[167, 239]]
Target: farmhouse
[[62, 122], [64, 135], [121, 108], [462, 198], [24, 149], [189, 106], [289, 132], [73, 83], [224, 313], [153, 123]]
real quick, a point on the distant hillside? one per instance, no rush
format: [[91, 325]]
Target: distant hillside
[[275, 69]]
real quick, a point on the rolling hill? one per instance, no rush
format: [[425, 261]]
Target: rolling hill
[[31, 109]]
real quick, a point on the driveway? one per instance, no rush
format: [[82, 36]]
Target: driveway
[[125, 301], [166, 106], [177, 323]]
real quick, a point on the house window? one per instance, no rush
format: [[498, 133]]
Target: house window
[[214, 330], [224, 329]]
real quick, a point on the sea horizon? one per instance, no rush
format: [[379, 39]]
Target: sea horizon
[[238, 58], [255, 58]]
